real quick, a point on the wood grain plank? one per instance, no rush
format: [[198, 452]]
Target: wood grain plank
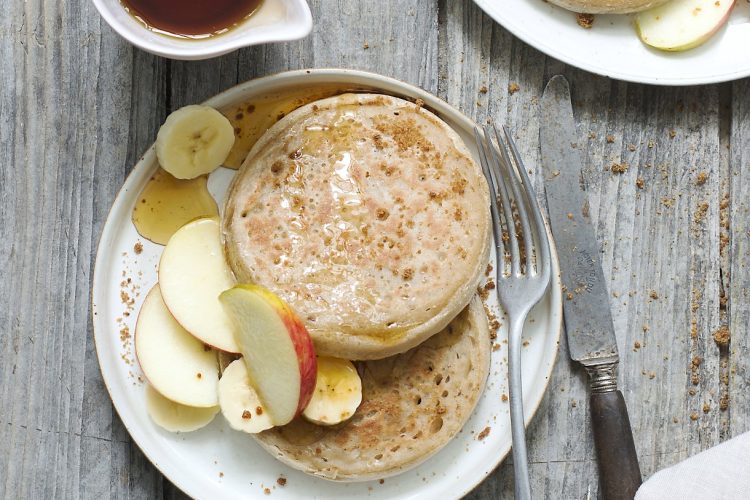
[[737, 228]]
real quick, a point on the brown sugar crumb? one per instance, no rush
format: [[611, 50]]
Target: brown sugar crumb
[[199, 375], [266, 491], [138, 248], [653, 294], [652, 375], [619, 168], [281, 481], [221, 474], [585, 21], [504, 398], [408, 274], [701, 178], [706, 407], [610, 139], [495, 347], [382, 213], [482, 435], [672, 134], [724, 402], [259, 410], [722, 336], [483, 89], [700, 212], [636, 345], [366, 46], [631, 147], [513, 88], [381, 481], [247, 415], [640, 183], [694, 416]]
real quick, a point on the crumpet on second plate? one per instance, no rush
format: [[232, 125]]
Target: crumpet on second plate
[[367, 214]]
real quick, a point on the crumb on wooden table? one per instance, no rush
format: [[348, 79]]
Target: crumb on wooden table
[[722, 336], [483, 89], [610, 138], [701, 178], [138, 247], [653, 294], [640, 183], [619, 168], [513, 88], [281, 481]]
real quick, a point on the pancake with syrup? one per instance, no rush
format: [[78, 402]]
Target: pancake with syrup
[[413, 404], [367, 214]]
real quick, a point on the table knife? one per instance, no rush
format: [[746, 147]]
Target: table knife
[[588, 319]]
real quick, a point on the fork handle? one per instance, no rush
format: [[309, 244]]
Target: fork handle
[[522, 484], [619, 472]]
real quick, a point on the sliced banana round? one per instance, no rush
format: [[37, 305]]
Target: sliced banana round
[[338, 392], [193, 141], [175, 417], [239, 402]]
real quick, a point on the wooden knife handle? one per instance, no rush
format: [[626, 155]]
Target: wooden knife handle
[[619, 472]]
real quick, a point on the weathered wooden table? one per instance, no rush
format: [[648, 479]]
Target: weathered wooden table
[[78, 106]]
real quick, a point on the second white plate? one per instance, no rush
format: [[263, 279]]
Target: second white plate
[[612, 47]]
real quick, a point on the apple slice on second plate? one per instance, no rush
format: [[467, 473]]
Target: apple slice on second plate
[[177, 364], [192, 274], [276, 349], [682, 24]]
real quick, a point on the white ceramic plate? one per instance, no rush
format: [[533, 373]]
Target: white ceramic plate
[[218, 462], [612, 47]]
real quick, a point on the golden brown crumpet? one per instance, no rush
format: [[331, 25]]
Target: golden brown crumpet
[[367, 214], [412, 405]]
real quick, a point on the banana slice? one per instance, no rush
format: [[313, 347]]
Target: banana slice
[[194, 140], [239, 402], [175, 417], [338, 392]]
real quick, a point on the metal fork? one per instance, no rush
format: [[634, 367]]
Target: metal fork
[[519, 287]]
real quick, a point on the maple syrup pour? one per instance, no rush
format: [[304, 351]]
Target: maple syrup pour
[[251, 119], [191, 18], [166, 204]]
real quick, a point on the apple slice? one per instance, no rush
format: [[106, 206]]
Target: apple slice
[[276, 348], [682, 24], [192, 274], [338, 392], [239, 402], [178, 365], [175, 417]]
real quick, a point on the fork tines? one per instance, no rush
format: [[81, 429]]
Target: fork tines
[[501, 169]]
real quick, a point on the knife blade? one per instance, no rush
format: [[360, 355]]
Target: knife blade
[[587, 316]]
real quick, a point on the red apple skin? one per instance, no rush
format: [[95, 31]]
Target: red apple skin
[[303, 345]]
